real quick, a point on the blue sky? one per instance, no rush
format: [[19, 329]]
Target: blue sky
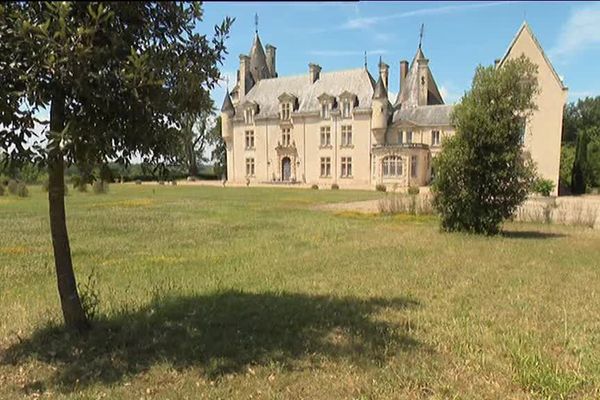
[[458, 36]]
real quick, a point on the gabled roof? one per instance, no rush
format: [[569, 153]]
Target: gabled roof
[[438, 115], [266, 91], [526, 29], [408, 96]]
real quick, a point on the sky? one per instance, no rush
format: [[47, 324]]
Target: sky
[[457, 37]]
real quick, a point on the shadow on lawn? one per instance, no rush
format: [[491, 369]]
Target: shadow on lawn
[[219, 333], [531, 235]]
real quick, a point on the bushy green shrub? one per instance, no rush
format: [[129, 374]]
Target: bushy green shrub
[[413, 190], [543, 186], [334, 186], [315, 187], [138, 182], [100, 187], [22, 190], [12, 186], [380, 187]]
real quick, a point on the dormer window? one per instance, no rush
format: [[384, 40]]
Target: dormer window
[[249, 116], [285, 111], [327, 102], [348, 101], [287, 104]]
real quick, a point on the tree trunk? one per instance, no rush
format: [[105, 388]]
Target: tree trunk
[[72, 310], [191, 158]]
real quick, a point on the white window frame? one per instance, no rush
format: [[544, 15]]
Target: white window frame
[[325, 109], [347, 108], [286, 137], [346, 167], [435, 138], [249, 139], [325, 167], [346, 136], [325, 136], [391, 166], [414, 165], [250, 168], [409, 137], [286, 111]]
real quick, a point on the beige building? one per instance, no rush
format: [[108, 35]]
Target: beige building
[[341, 127]]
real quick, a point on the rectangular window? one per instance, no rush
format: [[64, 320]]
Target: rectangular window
[[409, 137], [325, 136], [249, 166], [435, 138], [249, 115], [346, 167], [324, 110], [346, 135], [347, 109], [286, 137], [392, 167], [325, 167], [285, 111], [249, 140], [400, 134], [413, 166]]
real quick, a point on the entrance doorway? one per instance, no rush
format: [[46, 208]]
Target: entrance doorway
[[286, 169]]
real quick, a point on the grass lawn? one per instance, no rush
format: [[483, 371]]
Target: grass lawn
[[238, 293]]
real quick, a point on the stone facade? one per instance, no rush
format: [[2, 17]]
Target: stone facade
[[341, 127]]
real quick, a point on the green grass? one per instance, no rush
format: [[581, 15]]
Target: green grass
[[237, 293]]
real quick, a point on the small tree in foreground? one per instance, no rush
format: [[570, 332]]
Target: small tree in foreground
[[482, 173], [116, 78]]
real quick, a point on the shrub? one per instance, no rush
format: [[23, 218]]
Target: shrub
[[482, 175], [161, 182], [22, 190], [380, 187], [100, 187], [138, 182], [173, 183], [543, 186], [315, 187], [413, 190], [12, 186], [191, 179], [334, 186], [1, 189], [406, 204]]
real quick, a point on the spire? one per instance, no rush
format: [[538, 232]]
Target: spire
[[380, 92], [256, 23], [421, 35], [365, 60], [227, 104]]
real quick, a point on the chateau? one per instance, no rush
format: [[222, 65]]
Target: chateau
[[342, 127]]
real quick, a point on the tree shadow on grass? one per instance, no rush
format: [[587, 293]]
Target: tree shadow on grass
[[530, 235], [219, 334]]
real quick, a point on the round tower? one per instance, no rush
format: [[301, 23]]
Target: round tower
[[380, 112], [227, 114]]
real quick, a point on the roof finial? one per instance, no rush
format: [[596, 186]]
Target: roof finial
[[256, 23], [421, 35], [227, 82], [365, 60]]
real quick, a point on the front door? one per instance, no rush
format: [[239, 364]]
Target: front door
[[286, 169]]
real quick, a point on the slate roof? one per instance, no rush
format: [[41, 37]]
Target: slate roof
[[409, 93], [227, 103], [436, 115], [265, 92], [258, 61], [380, 92]]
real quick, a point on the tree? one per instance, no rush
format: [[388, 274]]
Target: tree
[[116, 78], [583, 114], [482, 172], [196, 138], [586, 166], [219, 153]]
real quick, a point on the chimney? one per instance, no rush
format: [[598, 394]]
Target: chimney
[[314, 72], [403, 73], [243, 75], [383, 73], [271, 60]]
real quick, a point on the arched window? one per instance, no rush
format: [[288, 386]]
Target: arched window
[[392, 166]]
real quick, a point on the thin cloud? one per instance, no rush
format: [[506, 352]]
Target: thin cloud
[[370, 22], [580, 32], [346, 53]]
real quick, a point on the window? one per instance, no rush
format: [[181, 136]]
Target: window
[[286, 137], [325, 167], [285, 111], [400, 133], [346, 135], [435, 138], [249, 166], [249, 140], [392, 166], [346, 167], [409, 137], [325, 136], [413, 166], [324, 110], [346, 109], [249, 115]]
